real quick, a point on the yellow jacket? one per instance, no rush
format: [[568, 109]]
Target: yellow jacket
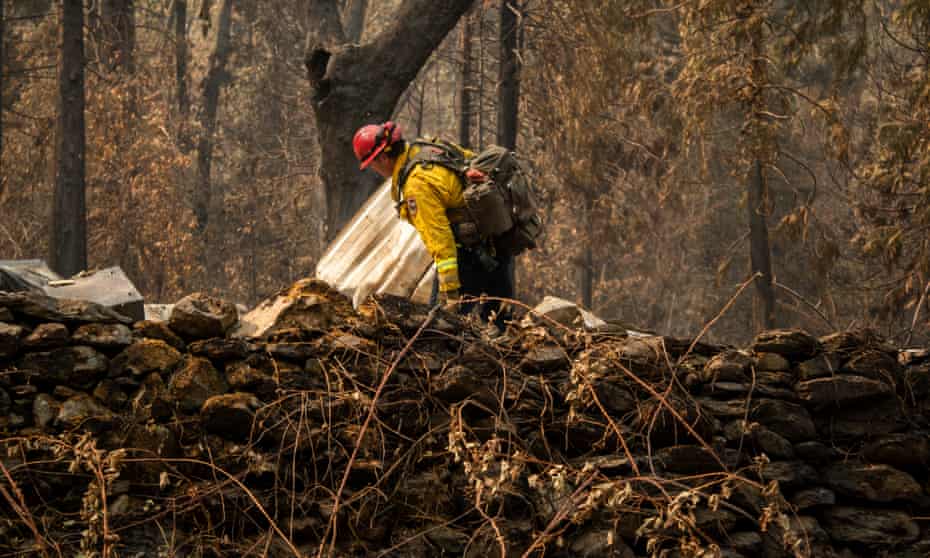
[[428, 192]]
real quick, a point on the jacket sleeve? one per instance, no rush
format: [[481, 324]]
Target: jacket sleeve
[[427, 213]]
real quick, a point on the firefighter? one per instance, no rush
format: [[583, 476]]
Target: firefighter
[[430, 198]]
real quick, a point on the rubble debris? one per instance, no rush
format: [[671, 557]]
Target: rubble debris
[[397, 430]]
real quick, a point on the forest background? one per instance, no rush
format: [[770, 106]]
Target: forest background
[[737, 164]]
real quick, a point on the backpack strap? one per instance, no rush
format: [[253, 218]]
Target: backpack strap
[[435, 152]]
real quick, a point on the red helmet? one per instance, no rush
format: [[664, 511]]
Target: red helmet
[[370, 141]]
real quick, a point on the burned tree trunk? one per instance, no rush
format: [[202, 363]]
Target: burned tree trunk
[[465, 107], [69, 220], [356, 84], [509, 92], [216, 77], [759, 250], [180, 56]]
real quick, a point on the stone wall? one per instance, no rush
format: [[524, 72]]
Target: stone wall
[[393, 431]]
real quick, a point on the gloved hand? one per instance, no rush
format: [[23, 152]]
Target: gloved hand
[[450, 300]]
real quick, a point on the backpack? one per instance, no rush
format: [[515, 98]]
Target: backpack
[[499, 195]]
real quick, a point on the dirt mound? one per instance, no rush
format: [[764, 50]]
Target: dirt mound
[[310, 429]]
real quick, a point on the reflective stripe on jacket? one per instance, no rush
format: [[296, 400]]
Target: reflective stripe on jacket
[[428, 192]]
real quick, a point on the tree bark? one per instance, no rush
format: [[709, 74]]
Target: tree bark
[[759, 249], [69, 220], [465, 106], [216, 77], [356, 84], [509, 92], [180, 56], [2, 34], [353, 17]]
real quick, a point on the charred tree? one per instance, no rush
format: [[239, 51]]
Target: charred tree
[[465, 106], [509, 92], [180, 56], [69, 220], [216, 77], [760, 251], [356, 84]]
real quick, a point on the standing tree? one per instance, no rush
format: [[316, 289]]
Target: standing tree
[[69, 219], [353, 84], [353, 19], [509, 92], [180, 56], [465, 95]]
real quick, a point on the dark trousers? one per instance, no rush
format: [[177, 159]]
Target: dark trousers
[[477, 279]]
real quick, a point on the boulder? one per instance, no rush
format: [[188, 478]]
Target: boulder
[[103, 336], [793, 344], [201, 316], [905, 451], [790, 420], [85, 412], [158, 330], [872, 483], [728, 366], [144, 357], [195, 382], [10, 339], [840, 390], [77, 366], [47, 336], [230, 415], [869, 526]]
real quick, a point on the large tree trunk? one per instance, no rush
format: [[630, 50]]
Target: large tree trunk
[[180, 56], [759, 250], [209, 209], [465, 106], [212, 84], [353, 17], [356, 84], [509, 92], [69, 221]]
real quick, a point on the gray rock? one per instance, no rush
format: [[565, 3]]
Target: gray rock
[[861, 422], [221, 349], [85, 412], [10, 336], [874, 483], [44, 410], [103, 336], [195, 382], [840, 390], [771, 362], [598, 543], [793, 344], [201, 316], [687, 459], [812, 497], [869, 526], [544, 358], [615, 399], [47, 336], [158, 330], [46, 308], [144, 357], [904, 451], [823, 365], [816, 452], [875, 364], [230, 415], [787, 419], [78, 366], [728, 366], [789, 474]]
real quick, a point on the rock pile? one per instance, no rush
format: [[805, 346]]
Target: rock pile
[[396, 431]]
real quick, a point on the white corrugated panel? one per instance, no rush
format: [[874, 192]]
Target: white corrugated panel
[[376, 252]]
